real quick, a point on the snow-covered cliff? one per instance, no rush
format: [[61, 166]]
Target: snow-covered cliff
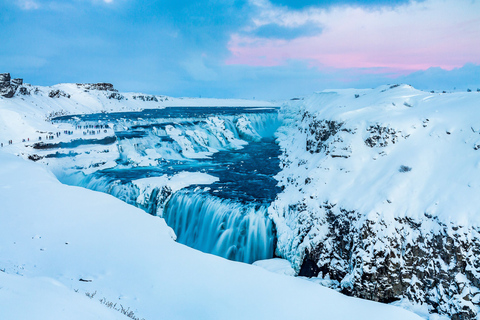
[[381, 195]]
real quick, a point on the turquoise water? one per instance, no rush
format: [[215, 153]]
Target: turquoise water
[[229, 218]]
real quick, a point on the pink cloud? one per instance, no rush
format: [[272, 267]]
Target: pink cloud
[[412, 37]]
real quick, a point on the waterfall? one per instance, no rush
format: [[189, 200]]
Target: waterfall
[[226, 228], [229, 145], [148, 143], [123, 191]]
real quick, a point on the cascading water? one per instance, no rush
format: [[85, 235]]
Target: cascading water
[[222, 227], [227, 218]]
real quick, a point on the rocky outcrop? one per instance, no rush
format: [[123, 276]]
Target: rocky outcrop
[[102, 86], [381, 136], [145, 98], [8, 86], [23, 91], [58, 93], [116, 96], [383, 260], [16, 82]]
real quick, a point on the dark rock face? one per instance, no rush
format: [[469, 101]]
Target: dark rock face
[[102, 86], [34, 157], [8, 87], [58, 93], [23, 91], [309, 269], [381, 136], [319, 132], [4, 78], [322, 135], [116, 96], [16, 82], [157, 200], [145, 98], [370, 260]]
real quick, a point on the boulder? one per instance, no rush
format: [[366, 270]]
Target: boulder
[[58, 93], [16, 82], [4, 79], [8, 87]]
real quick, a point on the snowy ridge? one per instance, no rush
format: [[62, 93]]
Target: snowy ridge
[[381, 195]]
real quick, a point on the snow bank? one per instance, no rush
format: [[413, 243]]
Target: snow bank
[[46, 299], [280, 266], [93, 242], [176, 182]]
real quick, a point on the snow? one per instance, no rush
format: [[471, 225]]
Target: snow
[[276, 265], [147, 186], [176, 182], [46, 299], [436, 138], [53, 235], [397, 162]]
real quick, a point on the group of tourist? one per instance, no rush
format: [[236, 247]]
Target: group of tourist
[[9, 142], [51, 136]]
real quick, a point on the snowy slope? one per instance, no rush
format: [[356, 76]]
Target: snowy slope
[[47, 299], [381, 193], [91, 242]]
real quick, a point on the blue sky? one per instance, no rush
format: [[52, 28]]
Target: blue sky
[[252, 48]]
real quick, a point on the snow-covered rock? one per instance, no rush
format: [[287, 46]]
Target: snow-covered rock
[[8, 86], [381, 195]]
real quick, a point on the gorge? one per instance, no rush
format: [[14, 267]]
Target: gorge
[[372, 192]]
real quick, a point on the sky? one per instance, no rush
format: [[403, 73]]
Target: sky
[[263, 49]]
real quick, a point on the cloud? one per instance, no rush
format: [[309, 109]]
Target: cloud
[[414, 36], [179, 48], [300, 4], [28, 4], [466, 77], [198, 69]]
